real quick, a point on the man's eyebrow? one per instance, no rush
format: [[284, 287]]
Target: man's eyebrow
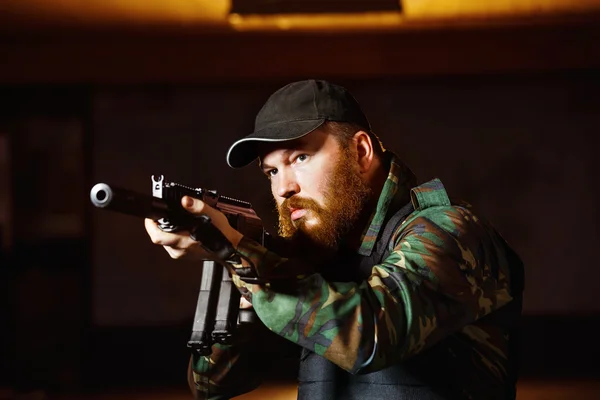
[[264, 165]]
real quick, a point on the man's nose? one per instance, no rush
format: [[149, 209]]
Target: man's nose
[[288, 185]]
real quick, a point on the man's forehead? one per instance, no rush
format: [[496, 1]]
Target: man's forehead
[[312, 139]]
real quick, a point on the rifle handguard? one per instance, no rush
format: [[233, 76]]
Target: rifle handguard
[[212, 239]]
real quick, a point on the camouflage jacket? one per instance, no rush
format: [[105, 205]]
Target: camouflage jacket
[[447, 270]]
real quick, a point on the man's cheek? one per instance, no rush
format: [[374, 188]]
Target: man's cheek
[[326, 192]]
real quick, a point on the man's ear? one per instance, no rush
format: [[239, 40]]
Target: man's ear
[[364, 151]]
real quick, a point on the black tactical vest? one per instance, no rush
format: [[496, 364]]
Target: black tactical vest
[[431, 375]]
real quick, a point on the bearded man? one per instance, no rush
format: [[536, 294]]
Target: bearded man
[[391, 290]]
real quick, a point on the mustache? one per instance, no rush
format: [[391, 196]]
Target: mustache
[[297, 202]]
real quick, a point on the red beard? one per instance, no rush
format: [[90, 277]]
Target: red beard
[[345, 199]]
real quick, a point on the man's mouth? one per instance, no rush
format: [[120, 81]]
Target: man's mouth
[[297, 213]]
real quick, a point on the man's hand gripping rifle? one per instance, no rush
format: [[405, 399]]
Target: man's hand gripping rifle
[[217, 312]]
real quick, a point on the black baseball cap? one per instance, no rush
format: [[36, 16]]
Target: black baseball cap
[[294, 111]]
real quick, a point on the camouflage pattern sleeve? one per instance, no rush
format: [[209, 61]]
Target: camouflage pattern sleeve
[[225, 373], [450, 270], [446, 271]]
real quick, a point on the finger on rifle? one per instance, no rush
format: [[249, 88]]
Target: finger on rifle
[[245, 303], [194, 206], [151, 227], [160, 237]]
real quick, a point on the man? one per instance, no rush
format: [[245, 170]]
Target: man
[[392, 290]]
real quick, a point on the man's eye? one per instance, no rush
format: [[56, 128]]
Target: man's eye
[[302, 157], [271, 172]]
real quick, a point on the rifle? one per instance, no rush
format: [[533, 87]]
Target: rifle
[[217, 313]]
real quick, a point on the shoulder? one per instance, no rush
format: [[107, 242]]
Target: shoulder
[[453, 219], [435, 213], [442, 231]]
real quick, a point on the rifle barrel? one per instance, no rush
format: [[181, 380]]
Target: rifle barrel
[[128, 202]]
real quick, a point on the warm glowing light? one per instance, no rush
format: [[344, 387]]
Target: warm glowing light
[[209, 12], [215, 13], [466, 8], [320, 22], [414, 13]]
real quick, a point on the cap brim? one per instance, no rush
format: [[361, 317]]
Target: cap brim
[[245, 150]]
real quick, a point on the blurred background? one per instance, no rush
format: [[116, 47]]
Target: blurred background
[[498, 99]]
